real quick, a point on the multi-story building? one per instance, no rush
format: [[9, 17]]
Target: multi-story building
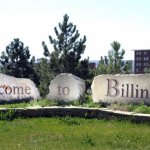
[[141, 60]]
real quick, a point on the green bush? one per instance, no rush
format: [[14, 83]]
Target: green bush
[[7, 114], [43, 103], [89, 102], [141, 108]]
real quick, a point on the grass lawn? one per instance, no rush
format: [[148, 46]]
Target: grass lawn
[[73, 134]]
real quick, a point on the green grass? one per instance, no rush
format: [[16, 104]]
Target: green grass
[[73, 134], [45, 102], [32, 103], [138, 108], [88, 102]]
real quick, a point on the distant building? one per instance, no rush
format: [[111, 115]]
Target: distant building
[[141, 60], [93, 64]]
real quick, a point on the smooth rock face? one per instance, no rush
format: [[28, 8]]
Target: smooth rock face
[[17, 89], [121, 88], [66, 87]]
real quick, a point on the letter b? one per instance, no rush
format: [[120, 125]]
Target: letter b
[[113, 87]]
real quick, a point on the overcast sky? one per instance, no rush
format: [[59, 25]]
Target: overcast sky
[[102, 21]]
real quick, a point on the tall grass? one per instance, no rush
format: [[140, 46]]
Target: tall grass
[[73, 134]]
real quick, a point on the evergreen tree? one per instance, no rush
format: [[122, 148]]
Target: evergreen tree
[[115, 57], [103, 65], [127, 67], [16, 61], [45, 75], [68, 49], [114, 64]]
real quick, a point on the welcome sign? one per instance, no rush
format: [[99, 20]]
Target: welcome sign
[[121, 88], [66, 87], [17, 89]]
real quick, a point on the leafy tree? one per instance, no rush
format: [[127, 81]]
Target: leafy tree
[[68, 49], [16, 61], [147, 70]]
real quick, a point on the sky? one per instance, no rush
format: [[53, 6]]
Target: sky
[[102, 21]]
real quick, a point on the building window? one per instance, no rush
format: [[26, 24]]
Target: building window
[[138, 53], [138, 58], [146, 64], [138, 64], [146, 58], [137, 70], [145, 53]]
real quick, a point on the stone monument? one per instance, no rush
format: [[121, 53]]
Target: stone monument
[[121, 88], [66, 87], [17, 89]]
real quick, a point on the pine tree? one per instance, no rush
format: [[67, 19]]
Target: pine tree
[[113, 63], [68, 49], [103, 65], [16, 61], [45, 75], [127, 69], [116, 56]]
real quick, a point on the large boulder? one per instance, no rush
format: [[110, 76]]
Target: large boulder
[[66, 87], [17, 89], [121, 88]]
